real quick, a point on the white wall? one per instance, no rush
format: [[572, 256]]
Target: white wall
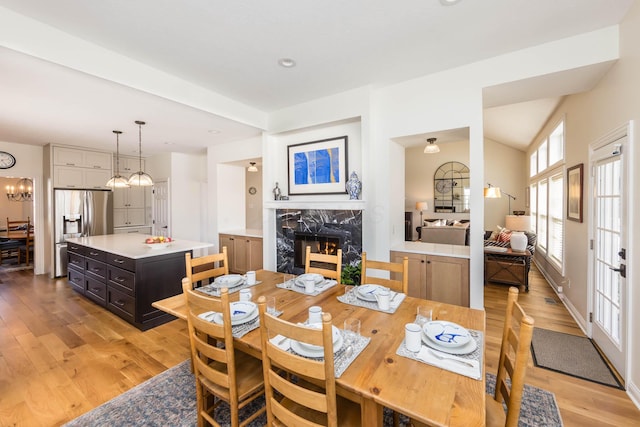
[[29, 164], [505, 167], [254, 201], [188, 189]]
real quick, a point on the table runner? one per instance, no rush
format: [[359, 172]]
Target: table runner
[[474, 357], [396, 298], [340, 359], [289, 284]]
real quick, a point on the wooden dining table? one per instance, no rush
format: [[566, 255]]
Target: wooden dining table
[[379, 377]]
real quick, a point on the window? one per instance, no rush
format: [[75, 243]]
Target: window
[[556, 144], [556, 224], [547, 196]]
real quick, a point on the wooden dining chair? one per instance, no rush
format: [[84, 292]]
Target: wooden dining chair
[[201, 270], [27, 249], [329, 266], [514, 354], [19, 224], [399, 273], [12, 249], [291, 400], [221, 372]]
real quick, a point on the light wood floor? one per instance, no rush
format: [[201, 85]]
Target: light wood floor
[[61, 355]]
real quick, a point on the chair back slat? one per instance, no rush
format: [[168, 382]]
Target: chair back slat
[[329, 266], [201, 270]]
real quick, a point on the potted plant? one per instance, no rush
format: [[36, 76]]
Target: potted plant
[[350, 274]]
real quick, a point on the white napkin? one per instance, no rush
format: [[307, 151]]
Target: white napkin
[[450, 363], [281, 342], [396, 299], [209, 316], [326, 284]]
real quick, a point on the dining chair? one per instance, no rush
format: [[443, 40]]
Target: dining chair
[[26, 248], [19, 224], [221, 372], [512, 366], [12, 247], [399, 273], [329, 266], [301, 391], [201, 270]]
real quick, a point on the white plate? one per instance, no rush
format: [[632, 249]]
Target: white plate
[[366, 292], [158, 245], [229, 280], [217, 318], [446, 334], [336, 336], [469, 347], [301, 350], [299, 281], [241, 309]]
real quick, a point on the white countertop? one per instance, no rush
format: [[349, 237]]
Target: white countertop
[[456, 251], [248, 232], [133, 246]]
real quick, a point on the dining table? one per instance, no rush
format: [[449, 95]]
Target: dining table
[[379, 377]]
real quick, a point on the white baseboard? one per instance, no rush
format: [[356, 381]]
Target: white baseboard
[[634, 394]]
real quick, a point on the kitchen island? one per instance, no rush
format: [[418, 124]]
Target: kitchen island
[[125, 275]]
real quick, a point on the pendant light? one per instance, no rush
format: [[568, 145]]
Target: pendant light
[[140, 178], [117, 180], [431, 148]]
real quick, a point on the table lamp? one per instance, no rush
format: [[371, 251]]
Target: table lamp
[[421, 206]]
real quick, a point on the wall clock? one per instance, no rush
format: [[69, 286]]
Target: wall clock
[[6, 160], [252, 190], [444, 186]]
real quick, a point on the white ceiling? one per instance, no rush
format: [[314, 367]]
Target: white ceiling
[[232, 48]]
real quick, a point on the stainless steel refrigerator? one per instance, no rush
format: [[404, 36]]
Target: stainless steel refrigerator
[[79, 213]]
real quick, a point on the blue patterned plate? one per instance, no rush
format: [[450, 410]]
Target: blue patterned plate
[[446, 334], [241, 310], [229, 281]]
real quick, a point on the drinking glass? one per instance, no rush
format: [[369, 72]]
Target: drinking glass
[[351, 329], [349, 294], [287, 280], [423, 315], [271, 305]]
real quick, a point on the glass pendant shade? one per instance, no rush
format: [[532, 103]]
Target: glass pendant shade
[[117, 180], [431, 148], [140, 178]]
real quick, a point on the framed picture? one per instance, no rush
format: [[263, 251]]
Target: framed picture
[[574, 193], [318, 167]]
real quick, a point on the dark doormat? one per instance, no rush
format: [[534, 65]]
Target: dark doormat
[[571, 355]]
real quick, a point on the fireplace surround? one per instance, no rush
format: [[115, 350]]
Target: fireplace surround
[[322, 229]]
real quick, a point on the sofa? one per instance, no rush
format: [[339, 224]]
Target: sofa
[[445, 231]]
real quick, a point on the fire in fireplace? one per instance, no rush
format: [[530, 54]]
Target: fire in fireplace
[[320, 243]]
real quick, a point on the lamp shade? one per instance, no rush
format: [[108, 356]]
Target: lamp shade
[[492, 193], [421, 206], [518, 222]]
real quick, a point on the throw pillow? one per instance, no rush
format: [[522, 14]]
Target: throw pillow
[[495, 233], [504, 236]]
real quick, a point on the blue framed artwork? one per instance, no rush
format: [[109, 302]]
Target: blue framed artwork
[[318, 167]]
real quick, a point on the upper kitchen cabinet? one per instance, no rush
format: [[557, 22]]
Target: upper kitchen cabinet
[[81, 169]]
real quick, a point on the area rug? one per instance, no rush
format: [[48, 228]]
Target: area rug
[[169, 399], [571, 355]]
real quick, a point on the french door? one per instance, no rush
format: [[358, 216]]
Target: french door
[[609, 254]]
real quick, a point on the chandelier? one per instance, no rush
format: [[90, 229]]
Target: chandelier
[[21, 192]]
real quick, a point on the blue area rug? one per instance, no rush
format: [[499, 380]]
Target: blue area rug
[[169, 399]]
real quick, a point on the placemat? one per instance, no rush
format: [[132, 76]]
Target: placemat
[[476, 355], [396, 298], [341, 360], [238, 331], [299, 289], [214, 290]]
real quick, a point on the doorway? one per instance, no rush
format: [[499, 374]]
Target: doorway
[[609, 231], [17, 206]]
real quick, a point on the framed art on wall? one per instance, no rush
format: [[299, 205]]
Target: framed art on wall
[[574, 193], [318, 167]]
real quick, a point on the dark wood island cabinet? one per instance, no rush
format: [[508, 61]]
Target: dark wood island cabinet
[[100, 269]]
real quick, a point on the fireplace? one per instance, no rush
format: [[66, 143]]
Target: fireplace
[[320, 243], [322, 229]]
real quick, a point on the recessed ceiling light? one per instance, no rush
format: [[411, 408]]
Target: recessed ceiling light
[[287, 62], [213, 131], [449, 2]]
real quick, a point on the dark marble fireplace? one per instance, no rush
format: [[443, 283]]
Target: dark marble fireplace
[[322, 229]]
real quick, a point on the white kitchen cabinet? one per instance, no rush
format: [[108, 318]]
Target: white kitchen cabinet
[[129, 165], [128, 230], [63, 156], [132, 197], [73, 177], [128, 217]]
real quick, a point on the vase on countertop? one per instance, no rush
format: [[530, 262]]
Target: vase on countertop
[[354, 186]]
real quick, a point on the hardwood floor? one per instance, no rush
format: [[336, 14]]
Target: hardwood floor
[[61, 355]]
